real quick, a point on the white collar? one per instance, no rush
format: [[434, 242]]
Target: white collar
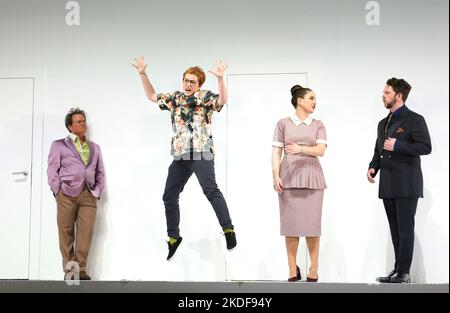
[[297, 121]]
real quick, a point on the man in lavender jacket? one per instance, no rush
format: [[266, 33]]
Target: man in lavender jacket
[[76, 177]]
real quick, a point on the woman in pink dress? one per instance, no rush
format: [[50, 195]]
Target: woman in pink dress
[[298, 179]]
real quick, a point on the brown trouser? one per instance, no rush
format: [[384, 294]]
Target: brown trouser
[[80, 211]]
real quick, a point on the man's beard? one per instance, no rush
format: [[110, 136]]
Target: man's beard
[[389, 105]]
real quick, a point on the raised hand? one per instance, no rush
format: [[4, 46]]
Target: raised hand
[[140, 65], [220, 69]]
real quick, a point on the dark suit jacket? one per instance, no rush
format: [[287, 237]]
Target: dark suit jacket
[[400, 171]]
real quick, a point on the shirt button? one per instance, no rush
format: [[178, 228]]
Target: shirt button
[[381, 157], [390, 156]]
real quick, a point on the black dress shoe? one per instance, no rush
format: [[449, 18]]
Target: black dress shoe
[[81, 276], [386, 279], [84, 276], [400, 278], [67, 276]]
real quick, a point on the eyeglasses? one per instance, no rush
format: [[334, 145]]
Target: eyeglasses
[[190, 82]]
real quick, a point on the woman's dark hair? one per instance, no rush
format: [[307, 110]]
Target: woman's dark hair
[[298, 92], [71, 113]]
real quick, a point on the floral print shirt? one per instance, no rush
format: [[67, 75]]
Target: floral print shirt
[[191, 120]]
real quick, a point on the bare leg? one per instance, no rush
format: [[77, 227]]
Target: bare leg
[[313, 247], [291, 249]]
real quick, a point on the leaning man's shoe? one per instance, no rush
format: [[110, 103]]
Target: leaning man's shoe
[[386, 279], [400, 278], [173, 248], [230, 237], [68, 276], [84, 276]]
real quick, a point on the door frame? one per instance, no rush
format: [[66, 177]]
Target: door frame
[[37, 175], [278, 68], [309, 68], [313, 81]]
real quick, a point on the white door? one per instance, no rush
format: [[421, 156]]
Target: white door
[[256, 103], [16, 119]]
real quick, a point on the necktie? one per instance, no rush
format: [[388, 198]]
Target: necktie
[[387, 123]]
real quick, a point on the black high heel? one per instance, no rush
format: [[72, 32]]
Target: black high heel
[[312, 280], [295, 278]]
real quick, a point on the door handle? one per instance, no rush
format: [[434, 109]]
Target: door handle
[[24, 173]]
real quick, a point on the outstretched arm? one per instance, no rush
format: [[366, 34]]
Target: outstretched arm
[[219, 72], [140, 66]]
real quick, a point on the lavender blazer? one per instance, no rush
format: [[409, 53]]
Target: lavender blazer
[[67, 172]]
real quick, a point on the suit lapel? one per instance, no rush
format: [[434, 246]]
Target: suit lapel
[[91, 152], [71, 146], [396, 122], [383, 134]]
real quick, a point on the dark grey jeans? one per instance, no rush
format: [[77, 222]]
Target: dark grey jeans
[[179, 173]]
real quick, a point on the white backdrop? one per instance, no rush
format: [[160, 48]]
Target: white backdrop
[[89, 66]]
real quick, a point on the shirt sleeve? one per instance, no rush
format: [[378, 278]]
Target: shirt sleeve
[[278, 135], [166, 101], [321, 135], [210, 100]]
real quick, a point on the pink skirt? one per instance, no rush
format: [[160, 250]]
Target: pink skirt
[[301, 212]]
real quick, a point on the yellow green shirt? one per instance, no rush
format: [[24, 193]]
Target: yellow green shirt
[[83, 149]]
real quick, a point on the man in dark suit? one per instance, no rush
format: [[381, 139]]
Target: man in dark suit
[[402, 138]]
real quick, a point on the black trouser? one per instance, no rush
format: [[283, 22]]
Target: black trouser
[[400, 213], [179, 173]]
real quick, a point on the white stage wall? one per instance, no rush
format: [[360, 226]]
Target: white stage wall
[[90, 66]]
